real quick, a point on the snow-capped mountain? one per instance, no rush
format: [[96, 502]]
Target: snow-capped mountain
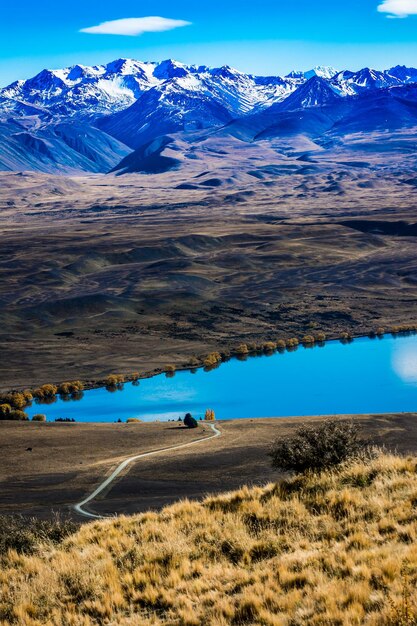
[[352, 83], [321, 71], [315, 92], [127, 104]]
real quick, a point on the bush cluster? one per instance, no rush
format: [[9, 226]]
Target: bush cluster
[[315, 448], [114, 380], [70, 388]]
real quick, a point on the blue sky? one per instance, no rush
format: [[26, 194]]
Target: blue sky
[[264, 37]]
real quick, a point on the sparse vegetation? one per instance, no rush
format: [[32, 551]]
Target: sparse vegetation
[[39, 417], [313, 550], [317, 448]]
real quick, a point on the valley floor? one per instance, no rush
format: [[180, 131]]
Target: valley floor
[[101, 274], [47, 468]]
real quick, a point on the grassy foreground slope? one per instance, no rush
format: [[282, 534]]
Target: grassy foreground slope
[[336, 549]]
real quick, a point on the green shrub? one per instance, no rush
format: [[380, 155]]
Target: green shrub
[[189, 421], [314, 448]]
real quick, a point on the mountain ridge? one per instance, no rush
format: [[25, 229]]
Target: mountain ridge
[[126, 104]]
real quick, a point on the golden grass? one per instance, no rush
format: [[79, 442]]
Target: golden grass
[[328, 550]]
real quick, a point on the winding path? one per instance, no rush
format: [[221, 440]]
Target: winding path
[[79, 508]]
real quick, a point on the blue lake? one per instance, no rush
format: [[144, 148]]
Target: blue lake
[[365, 376]]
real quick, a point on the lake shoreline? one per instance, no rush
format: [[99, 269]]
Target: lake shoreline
[[148, 374]]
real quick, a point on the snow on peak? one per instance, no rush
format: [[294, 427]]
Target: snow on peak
[[322, 71]]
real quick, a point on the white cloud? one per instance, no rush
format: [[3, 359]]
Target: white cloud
[[132, 26], [398, 8]]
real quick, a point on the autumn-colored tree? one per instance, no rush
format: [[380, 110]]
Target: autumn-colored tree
[[242, 349], [113, 380], [212, 359], [308, 340], [18, 416], [292, 343], [210, 415], [5, 410], [269, 346], [170, 370], [67, 389], [45, 391]]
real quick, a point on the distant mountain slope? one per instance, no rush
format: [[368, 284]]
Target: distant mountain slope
[[90, 118], [63, 148], [180, 104]]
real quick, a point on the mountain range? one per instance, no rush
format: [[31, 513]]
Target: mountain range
[[123, 116]]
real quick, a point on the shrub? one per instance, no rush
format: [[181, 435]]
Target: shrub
[[320, 337], [380, 332], [281, 345], [133, 420], [189, 421], [134, 376], [317, 447], [210, 415], [345, 337], [39, 417], [242, 349], [269, 346], [193, 362], [308, 340]]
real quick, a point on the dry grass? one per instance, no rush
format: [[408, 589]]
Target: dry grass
[[333, 549]]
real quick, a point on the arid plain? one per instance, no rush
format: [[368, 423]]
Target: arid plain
[[244, 242], [47, 468]]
